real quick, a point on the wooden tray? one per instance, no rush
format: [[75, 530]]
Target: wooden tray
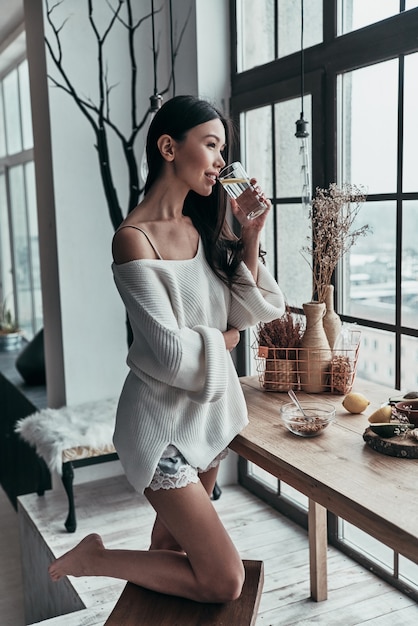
[[400, 446]]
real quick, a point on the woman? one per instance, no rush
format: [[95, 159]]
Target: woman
[[189, 286]]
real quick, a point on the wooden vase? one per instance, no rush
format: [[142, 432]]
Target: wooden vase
[[332, 321], [315, 353]]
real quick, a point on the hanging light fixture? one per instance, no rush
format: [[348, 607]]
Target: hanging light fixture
[[156, 99], [301, 129]]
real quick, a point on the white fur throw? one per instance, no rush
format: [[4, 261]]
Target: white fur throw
[[51, 431]]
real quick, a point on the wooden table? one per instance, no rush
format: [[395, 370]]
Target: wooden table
[[336, 471]]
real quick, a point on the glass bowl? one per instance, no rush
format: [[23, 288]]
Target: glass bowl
[[318, 416]]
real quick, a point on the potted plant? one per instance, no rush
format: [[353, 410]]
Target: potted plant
[[278, 342], [10, 333]]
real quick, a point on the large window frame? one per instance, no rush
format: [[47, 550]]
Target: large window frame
[[20, 287], [392, 38]]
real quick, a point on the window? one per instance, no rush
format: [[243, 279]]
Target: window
[[271, 29], [20, 283], [274, 161], [363, 130], [360, 94], [354, 14], [386, 165]]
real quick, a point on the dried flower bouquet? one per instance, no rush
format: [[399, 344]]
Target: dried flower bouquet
[[281, 334], [333, 213], [278, 342]]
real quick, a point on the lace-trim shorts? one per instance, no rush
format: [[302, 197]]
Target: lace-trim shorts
[[174, 472]]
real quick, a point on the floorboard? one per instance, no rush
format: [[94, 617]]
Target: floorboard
[[110, 507], [11, 585]]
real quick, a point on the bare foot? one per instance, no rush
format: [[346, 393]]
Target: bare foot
[[80, 560]]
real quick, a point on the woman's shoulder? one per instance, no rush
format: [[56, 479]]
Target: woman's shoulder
[[132, 242]]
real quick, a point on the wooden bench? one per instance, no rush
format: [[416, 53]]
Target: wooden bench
[[140, 607], [71, 437]]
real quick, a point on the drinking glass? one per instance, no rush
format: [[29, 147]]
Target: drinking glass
[[237, 184]]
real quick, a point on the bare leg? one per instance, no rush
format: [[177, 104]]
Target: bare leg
[[161, 539], [212, 571]]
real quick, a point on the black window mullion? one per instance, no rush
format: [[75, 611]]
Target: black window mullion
[[329, 20], [399, 211], [274, 199], [276, 29]]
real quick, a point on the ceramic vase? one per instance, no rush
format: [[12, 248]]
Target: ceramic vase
[[315, 353], [331, 321]]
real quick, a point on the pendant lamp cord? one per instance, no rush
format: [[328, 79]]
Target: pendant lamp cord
[[302, 59], [173, 77], [154, 50]]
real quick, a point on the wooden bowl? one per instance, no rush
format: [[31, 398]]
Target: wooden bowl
[[409, 409]]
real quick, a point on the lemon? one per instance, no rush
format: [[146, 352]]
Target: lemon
[[382, 415], [355, 402]]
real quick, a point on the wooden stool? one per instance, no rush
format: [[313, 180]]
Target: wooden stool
[[140, 607]]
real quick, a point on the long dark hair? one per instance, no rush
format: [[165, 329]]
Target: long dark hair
[[176, 117]]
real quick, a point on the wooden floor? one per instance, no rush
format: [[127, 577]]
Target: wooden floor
[[11, 586], [111, 508]]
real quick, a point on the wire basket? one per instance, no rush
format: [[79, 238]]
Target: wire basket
[[281, 369]]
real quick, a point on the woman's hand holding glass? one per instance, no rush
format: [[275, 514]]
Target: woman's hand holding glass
[[256, 223]]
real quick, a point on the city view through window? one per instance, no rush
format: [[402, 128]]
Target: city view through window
[[381, 280]]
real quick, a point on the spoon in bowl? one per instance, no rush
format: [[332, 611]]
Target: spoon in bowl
[[295, 401]]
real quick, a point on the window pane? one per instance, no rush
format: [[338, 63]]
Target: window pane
[[255, 33], [269, 243], [263, 477], [289, 25], [410, 264], [410, 178], [368, 116], [6, 276], [12, 113], [376, 360], [294, 495], [34, 245], [408, 571], [256, 146], [411, 4], [366, 544], [288, 159], [409, 361], [294, 274], [354, 14], [2, 127], [371, 265], [25, 106], [20, 248]]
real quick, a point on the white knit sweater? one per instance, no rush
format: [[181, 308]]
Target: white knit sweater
[[183, 388]]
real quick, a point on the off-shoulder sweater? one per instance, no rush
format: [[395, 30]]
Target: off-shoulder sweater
[[182, 388]]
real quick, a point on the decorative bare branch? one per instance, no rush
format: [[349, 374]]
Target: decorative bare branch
[[99, 114]]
